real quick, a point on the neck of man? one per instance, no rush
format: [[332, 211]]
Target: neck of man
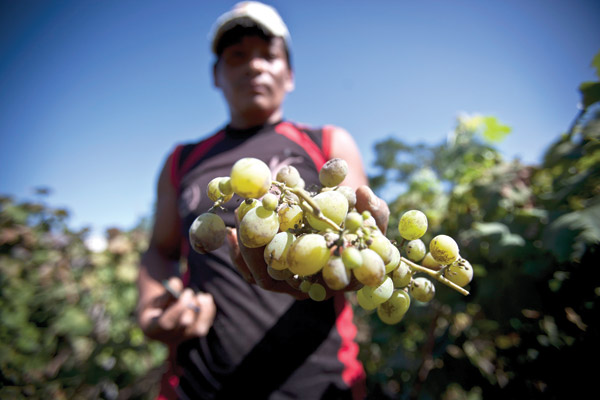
[[239, 121]]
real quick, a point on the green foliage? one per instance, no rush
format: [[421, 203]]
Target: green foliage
[[590, 91], [532, 234], [67, 325]]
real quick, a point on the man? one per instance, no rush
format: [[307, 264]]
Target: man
[[234, 331]]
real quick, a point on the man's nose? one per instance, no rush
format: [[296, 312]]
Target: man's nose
[[257, 63]]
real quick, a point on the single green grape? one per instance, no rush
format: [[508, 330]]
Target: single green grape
[[351, 257], [246, 206], [214, 192], [250, 177], [270, 201], [402, 275], [305, 285], [353, 221], [443, 249], [333, 205], [459, 272], [279, 275], [415, 250], [381, 293], [395, 261], [381, 245], [372, 270], [412, 225], [422, 289], [317, 292], [288, 175], [290, 216], [349, 193], [364, 302], [393, 310], [258, 227], [335, 274], [308, 255], [207, 233], [225, 186], [276, 250], [333, 172], [429, 262]]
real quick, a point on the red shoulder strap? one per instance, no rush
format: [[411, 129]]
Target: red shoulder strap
[[327, 138], [180, 167], [303, 140], [175, 176]]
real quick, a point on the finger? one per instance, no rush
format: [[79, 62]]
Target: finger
[[191, 310], [236, 256], [366, 200], [255, 261], [171, 318], [173, 287], [176, 283], [252, 264], [206, 316]]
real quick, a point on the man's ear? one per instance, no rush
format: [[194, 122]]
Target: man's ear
[[215, 75], [289, 84]]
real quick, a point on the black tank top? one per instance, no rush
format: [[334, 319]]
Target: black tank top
[[262, 344]]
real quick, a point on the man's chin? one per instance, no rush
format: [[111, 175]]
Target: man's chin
[[260, 108], [259, 114]]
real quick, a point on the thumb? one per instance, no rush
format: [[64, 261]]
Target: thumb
[[236, 256], [366, 200]]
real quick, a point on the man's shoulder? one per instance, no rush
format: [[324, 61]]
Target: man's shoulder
[[185, 153], [311, 127], [326, 129], [323, 135], [201, 141]]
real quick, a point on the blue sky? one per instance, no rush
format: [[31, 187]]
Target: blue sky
[[94, 94]]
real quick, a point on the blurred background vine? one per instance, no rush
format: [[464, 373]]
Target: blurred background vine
[[67, 326], [532, 234]]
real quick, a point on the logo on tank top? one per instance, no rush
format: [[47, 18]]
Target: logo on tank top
[[190, 199], [275, 164]]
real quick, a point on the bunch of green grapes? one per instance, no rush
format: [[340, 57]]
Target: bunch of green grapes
[[318, 242]]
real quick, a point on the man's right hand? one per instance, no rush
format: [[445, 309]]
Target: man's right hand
[[173, 319], [250, 262]]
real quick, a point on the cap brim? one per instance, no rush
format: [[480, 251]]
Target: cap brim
[[250, 14]]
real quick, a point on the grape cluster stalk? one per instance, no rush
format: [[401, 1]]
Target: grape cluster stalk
[[318, 241]]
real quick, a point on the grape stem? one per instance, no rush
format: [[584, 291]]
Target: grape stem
[[217, 204], [435, 274], [314, 208]]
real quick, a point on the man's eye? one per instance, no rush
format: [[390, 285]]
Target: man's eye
[[273, 54], [235, 56]]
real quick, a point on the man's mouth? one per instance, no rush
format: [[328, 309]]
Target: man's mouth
[[258, 87]]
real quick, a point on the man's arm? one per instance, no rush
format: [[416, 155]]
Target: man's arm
[[342, 145], [161, 315]]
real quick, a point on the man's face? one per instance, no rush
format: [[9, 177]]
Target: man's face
[[254, 77]]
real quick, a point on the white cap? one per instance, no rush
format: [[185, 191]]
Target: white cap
[[248, 13]]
